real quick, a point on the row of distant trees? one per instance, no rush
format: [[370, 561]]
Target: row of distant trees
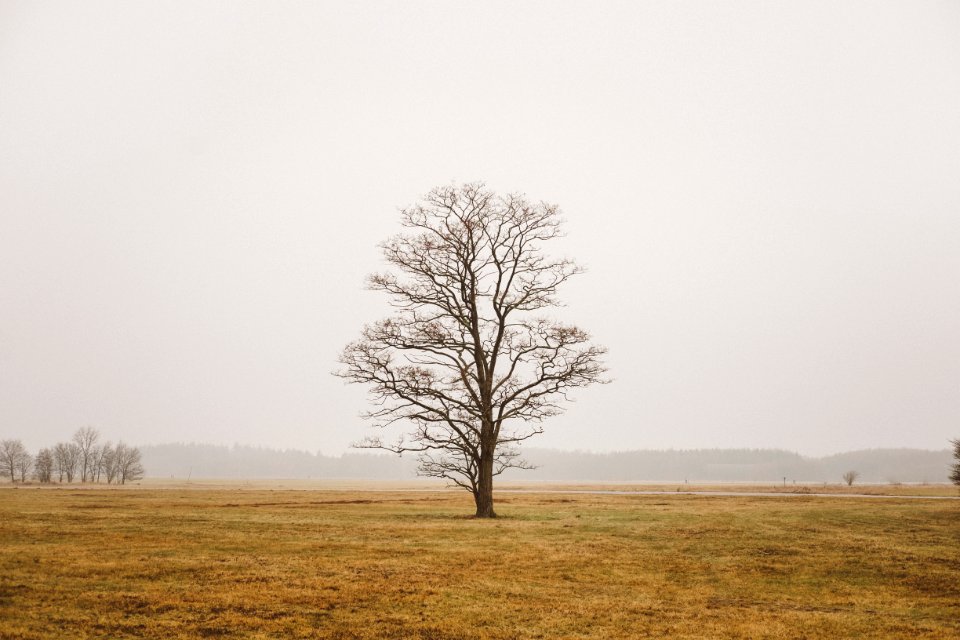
[[84, 458], [850, 476]]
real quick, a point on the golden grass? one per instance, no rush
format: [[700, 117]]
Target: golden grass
[[255, 563], [888, 489], [423, 484]]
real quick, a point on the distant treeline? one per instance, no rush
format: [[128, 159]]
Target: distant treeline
[[84, 458], [740, 465], [239, 461], [698, 465]]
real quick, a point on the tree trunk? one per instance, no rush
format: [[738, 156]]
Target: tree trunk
[[484, 493]]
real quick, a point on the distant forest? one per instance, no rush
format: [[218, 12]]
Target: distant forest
[[698, 465]]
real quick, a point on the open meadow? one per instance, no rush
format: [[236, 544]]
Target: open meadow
[[257, 562]]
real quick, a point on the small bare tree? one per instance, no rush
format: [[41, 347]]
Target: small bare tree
[[98, 465], [66, 456], [14, 458], [128, 465], [465, 359], [955, 469], [850, 477], [108, 462], [86, 439], [63, 462], [24, 465], [43, 465]]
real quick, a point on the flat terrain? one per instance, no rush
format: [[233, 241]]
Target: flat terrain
[[234, 561]]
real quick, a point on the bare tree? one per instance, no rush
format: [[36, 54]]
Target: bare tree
[[8, 466], [24, 465], [66, 456], [59, 466], [850, 477], [43, 465], [14, 458], [955, 469], [86, 439], [108, 462], [61, 461], [128, 465], [98, 464], [464, 358]]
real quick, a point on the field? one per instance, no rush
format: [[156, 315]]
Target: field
[[282, 562]]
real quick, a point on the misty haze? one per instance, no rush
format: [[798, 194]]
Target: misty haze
[[479, 320], [765, 203]]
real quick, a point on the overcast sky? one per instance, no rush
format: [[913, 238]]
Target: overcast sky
[[766, 196]]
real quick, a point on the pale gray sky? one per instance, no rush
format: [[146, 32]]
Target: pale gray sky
[[766, 195]]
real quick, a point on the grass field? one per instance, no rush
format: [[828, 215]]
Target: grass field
[[206, 562]]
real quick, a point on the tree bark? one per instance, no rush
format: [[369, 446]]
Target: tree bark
[[484, 494]]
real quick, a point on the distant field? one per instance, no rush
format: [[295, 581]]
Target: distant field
[[241, 561], [425, 484], [928, 489]]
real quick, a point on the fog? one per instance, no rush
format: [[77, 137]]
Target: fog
[[765, 195], [185, 461]]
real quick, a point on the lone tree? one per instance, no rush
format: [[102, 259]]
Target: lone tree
[[466, 360], [955, 469], [850, 477]]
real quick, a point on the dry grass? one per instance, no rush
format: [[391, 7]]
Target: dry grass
[[887, 489], [254, 563]]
